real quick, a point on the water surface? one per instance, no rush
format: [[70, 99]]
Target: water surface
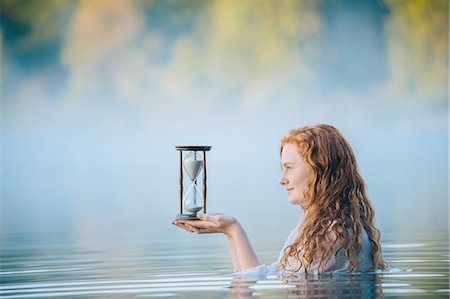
[[43, 260]]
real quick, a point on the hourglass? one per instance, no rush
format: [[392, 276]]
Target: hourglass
[[193, 161]]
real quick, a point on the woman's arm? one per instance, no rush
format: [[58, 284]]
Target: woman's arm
[[246, 256], [242, 253], [234, 255]]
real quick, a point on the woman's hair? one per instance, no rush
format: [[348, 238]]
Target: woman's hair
[[336, 206]]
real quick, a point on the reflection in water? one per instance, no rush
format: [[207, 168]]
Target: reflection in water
[[240, 287], [342, 286], [354, 286]]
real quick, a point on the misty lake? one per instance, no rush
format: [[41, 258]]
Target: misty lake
[[44, 259]]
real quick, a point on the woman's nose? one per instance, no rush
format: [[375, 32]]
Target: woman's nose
[[283, 180]]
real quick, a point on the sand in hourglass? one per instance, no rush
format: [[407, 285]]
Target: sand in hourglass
[[193, 168]]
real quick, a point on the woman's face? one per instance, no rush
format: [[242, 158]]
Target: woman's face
[[295, 174]]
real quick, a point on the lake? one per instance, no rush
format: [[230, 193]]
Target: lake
[[45, 259]]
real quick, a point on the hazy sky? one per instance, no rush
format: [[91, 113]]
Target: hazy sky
[[96, 94]]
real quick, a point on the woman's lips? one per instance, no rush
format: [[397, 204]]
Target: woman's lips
[[289, 190]]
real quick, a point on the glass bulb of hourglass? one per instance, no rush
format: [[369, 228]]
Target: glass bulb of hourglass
[[193, 165], [192, 200]]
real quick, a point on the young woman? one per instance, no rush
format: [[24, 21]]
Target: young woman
[[337, 233]]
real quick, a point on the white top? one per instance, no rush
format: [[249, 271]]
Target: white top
[[340, 263]]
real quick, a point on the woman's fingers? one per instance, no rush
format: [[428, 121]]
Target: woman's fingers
[[201, 224], [207, 223], [198, 224], [186, 227], [180, 225], [192, 229]]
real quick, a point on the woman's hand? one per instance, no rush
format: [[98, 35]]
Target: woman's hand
[[208, 223]]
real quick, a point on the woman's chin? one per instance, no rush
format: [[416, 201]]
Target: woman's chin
[[294, 201]]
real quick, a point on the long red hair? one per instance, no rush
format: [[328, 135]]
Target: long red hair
[[335, 201]]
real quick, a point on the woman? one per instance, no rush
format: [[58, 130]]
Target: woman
[[337, 233]]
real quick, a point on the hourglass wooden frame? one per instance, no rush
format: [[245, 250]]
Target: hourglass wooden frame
[[194, 149]]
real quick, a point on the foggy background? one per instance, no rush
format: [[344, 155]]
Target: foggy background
[[96, 94]]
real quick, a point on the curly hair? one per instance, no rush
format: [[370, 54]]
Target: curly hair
[[336, 206]]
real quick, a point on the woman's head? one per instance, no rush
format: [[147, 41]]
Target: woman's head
[[327, 184], [323, 154]]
